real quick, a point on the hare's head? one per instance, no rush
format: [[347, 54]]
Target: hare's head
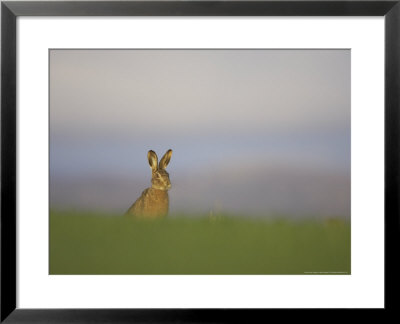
[[160, 177]]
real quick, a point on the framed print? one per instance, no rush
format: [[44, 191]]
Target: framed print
[[197, 160]]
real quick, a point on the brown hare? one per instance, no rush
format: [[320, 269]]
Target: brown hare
[[154, 201]]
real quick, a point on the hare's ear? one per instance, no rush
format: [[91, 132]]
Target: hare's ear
[[153, 160], [165, 159]]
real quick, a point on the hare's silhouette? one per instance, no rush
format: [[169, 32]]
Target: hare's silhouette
[[154, 201]]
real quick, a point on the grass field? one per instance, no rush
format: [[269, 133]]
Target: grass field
[[94, 244]]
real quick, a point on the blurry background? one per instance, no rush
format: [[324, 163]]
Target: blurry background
[[253, 132]]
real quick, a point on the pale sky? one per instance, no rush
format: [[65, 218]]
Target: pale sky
[[199, 90]]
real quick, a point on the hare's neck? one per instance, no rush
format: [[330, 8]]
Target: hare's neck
[[158, 193], [159, 189]]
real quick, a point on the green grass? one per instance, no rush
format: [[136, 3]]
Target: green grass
[[92, 244]]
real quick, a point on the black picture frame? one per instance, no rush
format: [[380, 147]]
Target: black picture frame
[[10, 10]]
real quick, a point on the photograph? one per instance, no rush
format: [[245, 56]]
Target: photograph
[[199, 161]]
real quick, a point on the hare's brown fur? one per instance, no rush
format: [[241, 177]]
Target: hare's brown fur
[[154, 201]]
